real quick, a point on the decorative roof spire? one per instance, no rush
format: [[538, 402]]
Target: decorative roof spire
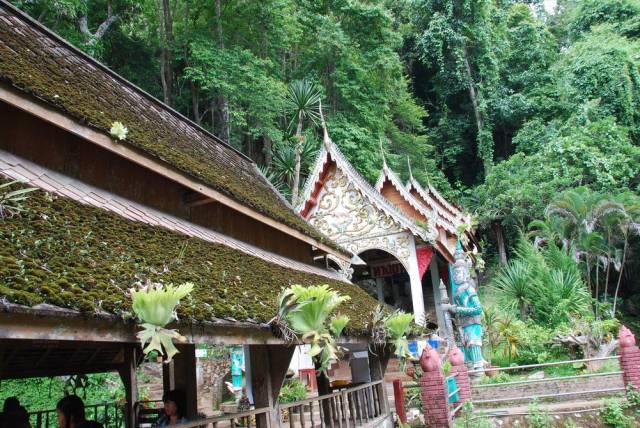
[[409, 164], [384, 160], [325, 133]]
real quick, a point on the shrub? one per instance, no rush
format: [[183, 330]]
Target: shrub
[[537, 418], [613, 414], [293, 390]]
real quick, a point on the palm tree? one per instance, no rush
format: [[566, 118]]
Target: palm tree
[[512, 284], [583, 211], [629, 223], [302, 101]]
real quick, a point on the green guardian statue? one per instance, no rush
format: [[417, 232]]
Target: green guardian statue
[[467, 310]]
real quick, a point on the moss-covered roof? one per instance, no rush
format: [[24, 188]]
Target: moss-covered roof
[[37, 62], [68, 254]]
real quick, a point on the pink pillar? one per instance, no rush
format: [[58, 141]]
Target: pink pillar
[[629, 358], [435, 400], [458, 368]]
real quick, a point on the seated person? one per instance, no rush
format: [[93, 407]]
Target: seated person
[[14, 415], [174, 409], [71, 414]]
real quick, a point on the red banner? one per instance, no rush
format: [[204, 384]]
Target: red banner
[[424, 255]]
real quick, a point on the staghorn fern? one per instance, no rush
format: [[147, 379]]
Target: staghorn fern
[[155, 305], [397, 326], [305, 311]]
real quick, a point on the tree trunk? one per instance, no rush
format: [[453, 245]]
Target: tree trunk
[[502, 250], [589, 275], [223, 102], [606, 282], [487, 157], [298, 160], [597, 285], [266, 149], [166, 61], [195, 102], [90, 38], [624, 259]]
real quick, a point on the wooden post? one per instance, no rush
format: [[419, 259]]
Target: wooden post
[[378, 361], [398, 395], [185, 378], [325, 407], [268, 365], [168, 377], [128, 375]]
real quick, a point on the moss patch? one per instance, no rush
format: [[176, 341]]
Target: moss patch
[[38, 64], [80, 257]]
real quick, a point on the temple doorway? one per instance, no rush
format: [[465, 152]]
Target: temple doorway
[[385, 278]]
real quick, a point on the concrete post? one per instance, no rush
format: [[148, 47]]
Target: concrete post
[[629, 358], [417, 298], [435, 283], [435, 401], [458, 368]]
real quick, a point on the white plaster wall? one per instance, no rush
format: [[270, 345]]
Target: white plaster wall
[[300, 359]]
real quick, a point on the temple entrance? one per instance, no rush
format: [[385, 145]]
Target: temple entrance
[[385, 278]]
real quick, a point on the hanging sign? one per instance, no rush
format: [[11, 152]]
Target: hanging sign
[[387, 270]]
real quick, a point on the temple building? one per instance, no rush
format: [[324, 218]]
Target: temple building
[[402, 236]]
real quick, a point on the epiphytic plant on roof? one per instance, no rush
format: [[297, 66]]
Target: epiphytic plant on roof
[[155, 305], [118, 130], [11, 200], [305, 311], [397, 326]]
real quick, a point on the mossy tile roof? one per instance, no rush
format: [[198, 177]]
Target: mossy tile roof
[[65, 253], [36, 61]]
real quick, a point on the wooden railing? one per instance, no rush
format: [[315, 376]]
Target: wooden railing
[[352, 407], [110, 415], [247, 419], [363, 405]]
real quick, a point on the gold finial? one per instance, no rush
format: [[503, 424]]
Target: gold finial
[[325, 133], [384, 160]]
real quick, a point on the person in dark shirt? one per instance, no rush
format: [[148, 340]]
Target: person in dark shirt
[[71, 414], [14, 415]]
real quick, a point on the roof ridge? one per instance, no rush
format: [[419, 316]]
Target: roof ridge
[[397, 184]]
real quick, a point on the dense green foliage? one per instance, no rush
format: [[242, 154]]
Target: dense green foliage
[[44, 393]]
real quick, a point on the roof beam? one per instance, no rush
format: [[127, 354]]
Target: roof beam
[[194, 199], [31, 324]]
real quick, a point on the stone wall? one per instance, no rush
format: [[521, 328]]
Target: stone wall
[[210, 375], [548, 388]]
